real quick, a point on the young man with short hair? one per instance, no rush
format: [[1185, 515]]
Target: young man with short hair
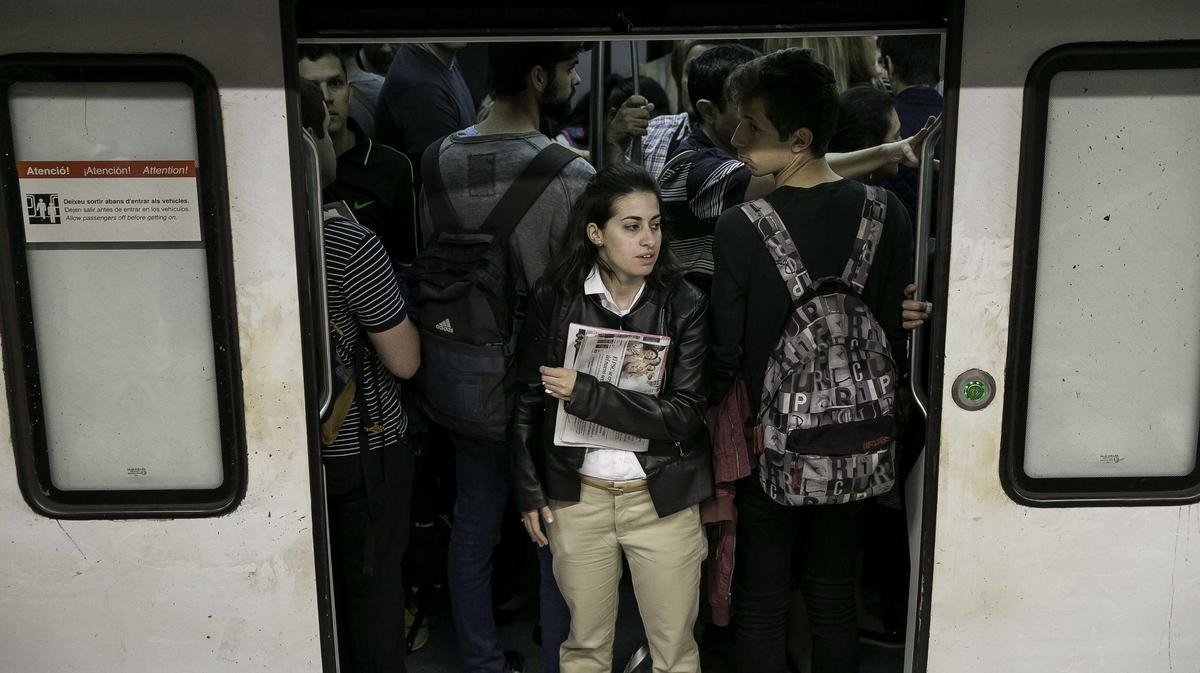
[[374, 180], [786, 106], [477, 166], [698, 187]]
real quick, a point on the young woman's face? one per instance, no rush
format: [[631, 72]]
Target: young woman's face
[[629, 243]]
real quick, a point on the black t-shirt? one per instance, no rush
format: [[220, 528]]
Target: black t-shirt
[[376, 182], [750, 303]]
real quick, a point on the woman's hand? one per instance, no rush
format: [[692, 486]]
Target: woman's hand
[[913, 314], [533, 524], [559, 382]]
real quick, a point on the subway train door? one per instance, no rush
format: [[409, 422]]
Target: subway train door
[[1067, 537], [155, 461]]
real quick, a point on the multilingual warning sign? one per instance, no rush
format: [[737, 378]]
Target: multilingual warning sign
[[110, 201]]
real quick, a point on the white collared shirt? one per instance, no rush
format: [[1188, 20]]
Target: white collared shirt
[[610, 464]]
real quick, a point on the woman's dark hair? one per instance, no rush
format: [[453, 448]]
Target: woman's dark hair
[[577, 254], [796, 90], [312, 108], [510, 62], [864, 119]]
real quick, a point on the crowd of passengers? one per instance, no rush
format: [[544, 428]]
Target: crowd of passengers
[[737, 181]]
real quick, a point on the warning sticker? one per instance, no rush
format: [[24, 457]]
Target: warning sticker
[[109, 201]]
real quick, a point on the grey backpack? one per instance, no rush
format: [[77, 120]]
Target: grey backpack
[[826, 415]]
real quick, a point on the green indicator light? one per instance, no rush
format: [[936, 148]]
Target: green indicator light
[[974, 390]]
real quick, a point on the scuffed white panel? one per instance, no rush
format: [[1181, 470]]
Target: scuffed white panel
[[125, 354], [1114, 385], [233, 593], [1018, 589]]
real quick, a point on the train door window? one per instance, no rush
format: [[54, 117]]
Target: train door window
[[120, 348], [1104, 387]]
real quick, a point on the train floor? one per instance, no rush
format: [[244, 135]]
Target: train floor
[[517, 630]]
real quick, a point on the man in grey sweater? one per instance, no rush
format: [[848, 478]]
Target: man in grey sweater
[[478, 165]]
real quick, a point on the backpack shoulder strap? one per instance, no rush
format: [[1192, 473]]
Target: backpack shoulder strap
[[870, 228], [436, 196], [781, 246], [525, 190]]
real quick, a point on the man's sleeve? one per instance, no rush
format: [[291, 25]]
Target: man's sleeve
[[731, 260], [715, 185], [372, 293]]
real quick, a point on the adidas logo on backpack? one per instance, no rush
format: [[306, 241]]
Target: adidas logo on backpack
[[826, 414], [445, 326]]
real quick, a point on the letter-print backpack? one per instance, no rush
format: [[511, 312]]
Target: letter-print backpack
[[826, 415]]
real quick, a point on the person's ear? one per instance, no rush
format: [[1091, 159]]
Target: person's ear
[[538, 78], [595, 235], [706, 109], [307, 130], [887, 66], [802, 140]]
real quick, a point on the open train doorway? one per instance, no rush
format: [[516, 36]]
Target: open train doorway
[[378, 111]]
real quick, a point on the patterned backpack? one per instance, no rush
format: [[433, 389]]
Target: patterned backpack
[[828, 398]]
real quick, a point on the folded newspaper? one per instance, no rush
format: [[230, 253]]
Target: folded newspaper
[[629, 361]]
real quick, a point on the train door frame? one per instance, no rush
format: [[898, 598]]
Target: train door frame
[[363, 21], [140, 578]]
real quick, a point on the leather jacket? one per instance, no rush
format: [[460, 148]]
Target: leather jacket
[[678, 464]]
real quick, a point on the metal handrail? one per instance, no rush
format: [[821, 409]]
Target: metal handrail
[[916, 342], [316, 223], [596, 134], [635, 149]]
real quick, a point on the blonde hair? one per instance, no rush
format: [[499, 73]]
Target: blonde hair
[[852, 59]]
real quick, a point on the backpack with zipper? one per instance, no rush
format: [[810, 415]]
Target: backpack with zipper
[[826, 415], [467, 309]]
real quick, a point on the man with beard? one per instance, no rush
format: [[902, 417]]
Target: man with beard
[[477, 166]]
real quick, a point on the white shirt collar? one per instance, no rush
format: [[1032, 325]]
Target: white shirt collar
[[595, 285]]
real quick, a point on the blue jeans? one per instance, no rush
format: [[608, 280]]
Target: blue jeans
[[556, 616], [482, 472]]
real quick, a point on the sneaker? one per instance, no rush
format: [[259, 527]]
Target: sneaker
[[640, 657], [417, 628], [890, 638], [514, 661]]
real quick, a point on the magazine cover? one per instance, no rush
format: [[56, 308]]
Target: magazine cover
[[627, 360]]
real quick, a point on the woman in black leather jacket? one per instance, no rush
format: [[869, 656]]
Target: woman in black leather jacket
[[592, 505]]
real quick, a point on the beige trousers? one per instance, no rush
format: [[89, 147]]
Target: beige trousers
[[587, 539]]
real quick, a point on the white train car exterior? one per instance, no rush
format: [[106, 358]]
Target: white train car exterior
[[1056, 526]]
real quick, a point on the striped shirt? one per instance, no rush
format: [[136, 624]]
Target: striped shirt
[[363, 294], [696, 189], [662, 135]]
